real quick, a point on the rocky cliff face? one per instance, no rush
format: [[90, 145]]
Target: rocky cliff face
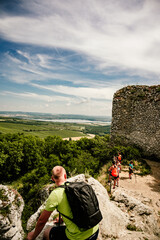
[[136, 117], [11, 207]]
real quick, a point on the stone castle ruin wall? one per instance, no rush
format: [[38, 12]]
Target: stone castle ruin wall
[[136, 117]]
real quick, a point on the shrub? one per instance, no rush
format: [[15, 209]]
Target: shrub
[[132, 227]]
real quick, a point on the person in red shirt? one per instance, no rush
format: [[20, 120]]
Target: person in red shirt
[[114, 173], [119, 158]]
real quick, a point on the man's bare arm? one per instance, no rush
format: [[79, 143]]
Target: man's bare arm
[[40, 225]]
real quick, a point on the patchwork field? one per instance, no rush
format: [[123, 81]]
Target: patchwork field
[[43, 129]]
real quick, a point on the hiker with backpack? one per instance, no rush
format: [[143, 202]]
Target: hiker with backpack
[[62, 198], [131, 169], [119, 159], [114, 173], [110, 169], [119, 171]]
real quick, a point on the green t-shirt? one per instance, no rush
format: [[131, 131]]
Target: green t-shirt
[[131, 165], [58, 200]]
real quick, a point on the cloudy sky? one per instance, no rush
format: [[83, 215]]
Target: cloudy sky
[[70, 57]]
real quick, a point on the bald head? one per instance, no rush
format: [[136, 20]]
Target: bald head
[[59, 173]]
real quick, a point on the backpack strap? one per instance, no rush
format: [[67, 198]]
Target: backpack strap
[[59, 223], [63, 186], [65, 216]]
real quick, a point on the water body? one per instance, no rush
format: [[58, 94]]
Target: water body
[[80, 121], [60, 118]]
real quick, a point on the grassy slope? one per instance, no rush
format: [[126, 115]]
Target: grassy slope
[[41, 129], [44, 129]]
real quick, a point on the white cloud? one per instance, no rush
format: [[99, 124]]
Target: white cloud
[[81, 92], [89, 93], [113, 33], [29, 101], [34, 96]]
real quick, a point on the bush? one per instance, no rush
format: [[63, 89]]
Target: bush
[[132, 227]]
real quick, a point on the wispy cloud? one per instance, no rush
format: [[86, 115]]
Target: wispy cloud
[[111, 32], [61, 104], [34, 96], [42, 67], [86, 93]]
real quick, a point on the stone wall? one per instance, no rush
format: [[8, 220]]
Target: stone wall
[[136, 117]]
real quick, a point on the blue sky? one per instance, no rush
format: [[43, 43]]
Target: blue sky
[[70, 57]]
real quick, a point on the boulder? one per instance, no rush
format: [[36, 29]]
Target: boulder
[[11, 207], [141, 217]]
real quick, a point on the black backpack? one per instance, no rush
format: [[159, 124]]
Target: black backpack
[[84, 204]]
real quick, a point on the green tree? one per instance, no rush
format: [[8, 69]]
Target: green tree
[[33, 150], [51, 162], [84, 162], [52, 145]]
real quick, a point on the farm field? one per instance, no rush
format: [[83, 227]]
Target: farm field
[[44, 129]]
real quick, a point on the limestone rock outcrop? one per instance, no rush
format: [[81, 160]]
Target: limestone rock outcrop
[[11, 207], [119, 215], [141, 217], [136, 117]]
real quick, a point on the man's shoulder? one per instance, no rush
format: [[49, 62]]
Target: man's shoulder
[[56, 191]]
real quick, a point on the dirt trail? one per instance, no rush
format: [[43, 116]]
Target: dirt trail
[[147, 186], [78, 138]]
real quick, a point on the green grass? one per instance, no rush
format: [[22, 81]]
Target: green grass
[[44, 129], [3, 195], [5, 210], [41, 130]]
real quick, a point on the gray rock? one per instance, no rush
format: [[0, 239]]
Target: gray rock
[[144, 217], [11, 207], [158, 203]]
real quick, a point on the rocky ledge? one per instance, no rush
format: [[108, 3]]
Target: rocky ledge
[[11, 207]]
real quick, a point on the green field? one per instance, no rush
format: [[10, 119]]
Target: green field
[[44, 129]]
